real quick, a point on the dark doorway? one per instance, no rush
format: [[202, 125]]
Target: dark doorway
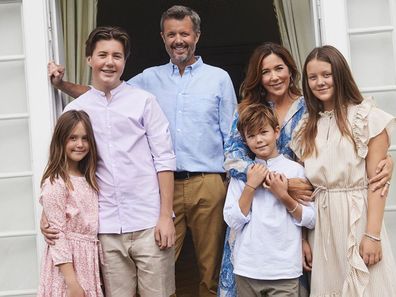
[[231, 29]]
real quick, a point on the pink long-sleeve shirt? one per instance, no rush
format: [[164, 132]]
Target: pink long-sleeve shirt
[[134, 143]]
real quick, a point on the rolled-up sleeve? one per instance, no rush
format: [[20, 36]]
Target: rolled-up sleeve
[[233, 215], [307, 216], [159, 137]]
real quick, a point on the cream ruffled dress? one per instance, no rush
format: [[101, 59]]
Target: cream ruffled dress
[[338, 174]]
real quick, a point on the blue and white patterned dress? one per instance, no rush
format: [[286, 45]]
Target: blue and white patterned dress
[[236, 163]]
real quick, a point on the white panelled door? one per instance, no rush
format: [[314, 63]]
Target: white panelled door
[[25, 127], [364, 31]]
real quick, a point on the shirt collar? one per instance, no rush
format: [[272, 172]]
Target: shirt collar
[[191, 68], [112, 92], [271, 161]]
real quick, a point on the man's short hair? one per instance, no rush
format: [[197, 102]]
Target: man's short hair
[[107, 33], [179, 12], [254, 117]]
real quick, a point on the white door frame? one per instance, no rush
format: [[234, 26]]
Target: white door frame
[[40, 103]]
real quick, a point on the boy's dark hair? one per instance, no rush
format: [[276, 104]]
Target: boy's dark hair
[[108, 33], [254, 117], [179, 12]]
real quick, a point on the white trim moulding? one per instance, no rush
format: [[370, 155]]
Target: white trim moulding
[[12, 57], [16, 174], [371, 30], [18, 234], [14, 116]]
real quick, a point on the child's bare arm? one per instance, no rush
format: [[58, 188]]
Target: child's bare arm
[[74, 288], [306, 250], [370, 245], [165, 233]]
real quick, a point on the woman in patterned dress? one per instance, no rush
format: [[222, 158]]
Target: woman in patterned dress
[[272, 79]]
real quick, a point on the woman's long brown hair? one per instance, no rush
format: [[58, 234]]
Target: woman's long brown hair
[[57, 166], [346, 93], [252, 90]]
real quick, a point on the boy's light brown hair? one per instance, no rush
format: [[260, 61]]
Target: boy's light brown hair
[[108, 33], [254, 117]]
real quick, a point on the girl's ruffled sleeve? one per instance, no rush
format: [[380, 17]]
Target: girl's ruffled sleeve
[[296, 140], [236, 153], [54, 198], [368, 122]]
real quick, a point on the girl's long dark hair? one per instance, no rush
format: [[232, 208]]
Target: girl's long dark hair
[[57, 166], [346, 93]]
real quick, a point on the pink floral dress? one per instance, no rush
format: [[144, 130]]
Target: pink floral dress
[[75, 215]]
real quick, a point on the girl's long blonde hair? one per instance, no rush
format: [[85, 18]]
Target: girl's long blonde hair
[[346, 93], [57, 166]]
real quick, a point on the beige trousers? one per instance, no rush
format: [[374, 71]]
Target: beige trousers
[[133, 261], [198, 205]]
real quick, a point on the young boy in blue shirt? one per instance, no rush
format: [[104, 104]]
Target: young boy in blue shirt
[[267, 255]]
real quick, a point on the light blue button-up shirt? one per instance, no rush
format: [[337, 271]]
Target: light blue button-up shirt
[[199, 106]]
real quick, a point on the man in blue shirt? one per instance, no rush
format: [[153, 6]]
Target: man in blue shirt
[[198, 101]]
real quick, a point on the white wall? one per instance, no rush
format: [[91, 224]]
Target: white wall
[[26, 119]]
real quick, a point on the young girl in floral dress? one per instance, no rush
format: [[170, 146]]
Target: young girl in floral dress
[[69, 197]]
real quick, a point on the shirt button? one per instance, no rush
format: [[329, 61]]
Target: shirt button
[[178, 130]]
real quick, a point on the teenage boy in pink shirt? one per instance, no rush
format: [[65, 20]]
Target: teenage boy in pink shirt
[[135, 173]]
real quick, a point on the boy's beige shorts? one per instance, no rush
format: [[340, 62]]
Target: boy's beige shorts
[[132, 262]]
